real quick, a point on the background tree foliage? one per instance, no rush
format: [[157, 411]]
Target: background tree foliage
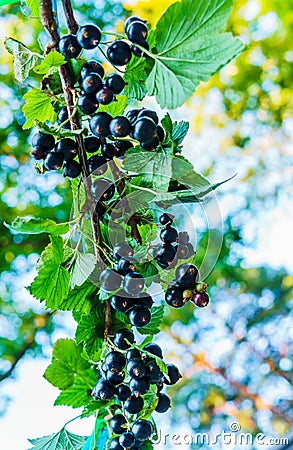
[[236, 355]]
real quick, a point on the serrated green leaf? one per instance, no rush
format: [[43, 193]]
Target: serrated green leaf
[[179, 131], [154, 326], [90, 331], [34, 225], [79, 393], [37, 106], [34, 6], [24, 60], [52, 281], [190, 48], [81, 298], [84, 265], [67, 362], [117, 107], [167, 123], [135, 77], [97, 407], [52, 59], [63, 440]]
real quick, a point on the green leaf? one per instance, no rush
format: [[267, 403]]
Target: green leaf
[[98, 407], [7, 2], [79, 393], [179, 131], [84, 265], [34, 225], [147, 340], [34, 6], [37, 106], [63, 440], [67, 362], [52, 59], [135, 77], [90, 331], [167, 123], [81, 298], [154, 326], [117, 107], [24, 60], [52, 282], [190, 48]]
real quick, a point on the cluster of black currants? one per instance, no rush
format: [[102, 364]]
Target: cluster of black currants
[[128, 373], [130, 299], [87, 37], [175, 245]]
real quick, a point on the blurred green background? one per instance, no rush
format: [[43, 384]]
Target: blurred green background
[[236, 355]]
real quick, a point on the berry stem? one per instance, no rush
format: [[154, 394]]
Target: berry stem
[[69, 16]]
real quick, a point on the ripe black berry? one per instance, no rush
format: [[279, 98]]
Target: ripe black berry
[[103, 390], [92, 67], [115, 377], [122, 249], [144, 129], [115, 82], [97, 165], [130, 20], [110, 280], [132, 115], [92, 83], [133, 283], [114, 444], [88, 36], [183, 237], [174, 296], [125, 266], [182, 251], [135, 368], [71, 169], [142, 429], [139, 316], [134, 405], [121, 303], [127, 440], [121, 147], [123, 392], [62, 117], [137, 51], [120, 336], [153, 372], [91, 144], [53, 161], [119, 53], [169, 235], [164, 403], [39, 153], [117, 424], [69, 46], [46, 141], [115, 361], [186, 275], [99, 124], [149, 113], [88, 105], [103, 189], [154, 349], [68, 148], [160, 133], [201, 299], [137, 32], [139, 386], [105, 96], [173, 374], [144, 299], [133, 353], [150, 145], [166, 219], [165, 255], [120, 126]]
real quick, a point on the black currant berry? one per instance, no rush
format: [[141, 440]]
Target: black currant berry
[[71, 169], [152, 145], [121, 303], [139, 386], [137, 51], [121, 147], [108, 151], [119, 53], [133, 353], [68, 148], [92, 67], [69, 46], [139, 316], [142, 429], [103, 189], [154, 349], [91, 144], [110, 280], [166, 219], [46, 141], [92, 84], [39, 153], [137, 32], [120, 126], [133, 283], [186, 275], [123, 392], [165, 255], [120, 336], [183, 237], [88, 105], [99, 124], [130, 20], [153, 372], [100, 209], [132, 115], [62, 117], [53, 161], [134, 405], [115, 377], [122, 250], [149, 113], [144, 299], [88, 36], [117, 424], [144, 129], [169, 235], [201, 299], [135, 368], [115, 82], [127, 440], [115, 361], [182, 251], [97, 165], [103, 390], [173, 374], [160, 133], [105, 96], [164, 403], [114, 444], [125, 266], [174, 296]]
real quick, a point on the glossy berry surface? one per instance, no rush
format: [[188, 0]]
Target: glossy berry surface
[[53, 161], [139, 316], [115, 361], [91, 144], [108, 151], [69, 46], [99, 124], [127, 440], [166, 219], [201, 299], [137, 51], [115, 82], [139, 386], [110, 280], [130, 20], [144, 129], [173, 374], [150, 145], [117, 424], [121, 147], [120, 126], [88, 36], [182, 251], [137, 32], [44, 140], [164, 403], [122, 249], [123, 392], [174, 296], [169, 235], [68, 148], [153, 372], [120, 336], [133, 353], [135, 368], [133, 283], [125, 266], [142, 429], [165, 255], [134, 405], [103, 390], [144, 299], [186, 275], [150, 114], [154, 349], [114, 444], [160, 133], [132, 114], [121, 303], [92, 84], [39, 153], [105, 96], [62, 117], [71, 169], [119, 53], [97, 164], [103, 189], [88, 105], [92, 67]]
